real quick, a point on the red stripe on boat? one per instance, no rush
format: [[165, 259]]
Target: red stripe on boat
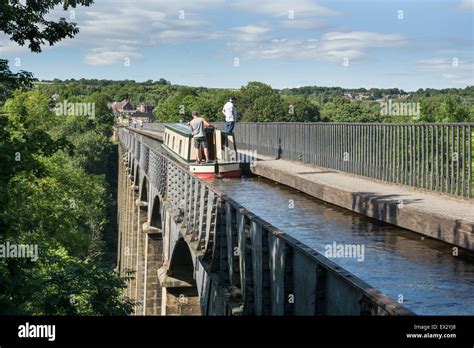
[[205, 175]]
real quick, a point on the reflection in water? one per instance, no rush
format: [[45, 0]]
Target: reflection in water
[[398, 262]]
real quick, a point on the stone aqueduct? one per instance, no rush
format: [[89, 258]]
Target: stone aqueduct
[[191, 250]]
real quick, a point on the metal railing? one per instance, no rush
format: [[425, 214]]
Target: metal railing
[[435, 157], [265, 266]]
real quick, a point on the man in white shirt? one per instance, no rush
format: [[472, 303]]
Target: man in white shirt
[[230, 113]]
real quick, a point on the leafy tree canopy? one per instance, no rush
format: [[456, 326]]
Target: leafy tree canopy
[[11, 81], [25, 23]]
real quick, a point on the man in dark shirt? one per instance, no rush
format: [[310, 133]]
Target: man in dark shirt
[[198, 125]]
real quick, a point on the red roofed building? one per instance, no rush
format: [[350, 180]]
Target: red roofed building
[[124, 106]]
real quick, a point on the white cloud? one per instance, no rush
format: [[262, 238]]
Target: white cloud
[[466, 4], [105, 57], [451, 64], [456, 71], [10, 47], [364, 39], [280, 8], [175, 36], [332, 46], [434, 63], [252, 30], [110, 31], [279, 40], [249, 33], [343, 54], [302, 24], [139, 24]]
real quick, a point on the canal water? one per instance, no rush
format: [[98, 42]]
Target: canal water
[[420, 272]]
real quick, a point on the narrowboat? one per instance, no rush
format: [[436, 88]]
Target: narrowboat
[[179, 144]]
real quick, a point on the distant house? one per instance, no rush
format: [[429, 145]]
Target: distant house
[[362, 97], [145, 107], [348, 96], [404, 96], [355, 96], [118, 108], [126, 112]]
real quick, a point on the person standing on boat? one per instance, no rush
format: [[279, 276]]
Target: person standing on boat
[[230, 113], [198, 124]]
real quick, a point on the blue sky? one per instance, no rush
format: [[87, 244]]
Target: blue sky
[[287, 43]]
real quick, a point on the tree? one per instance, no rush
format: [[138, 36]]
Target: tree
[[266, 109], [341, 110], [299, 109], [376, 93], [451, 109], [10, 81], [171, 110], [208, 104], [103, 119], [176, 107], [53, 194], [162, 81], [25, 134], [471, 113], [59, 284], [91, 151], [429, 108], [249, 93], [26, 23]]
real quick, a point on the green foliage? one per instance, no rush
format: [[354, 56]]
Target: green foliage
[[250, 93], [173, 108], [311, 103], [452, 110], [300, 110], [67, 205], [103, 119], [90, 150], [208, 104], [54, 195], [429, 109], [58, 284], [324, 93], [24, 22], [341, 110], [265, 109], [29, 110], [258, 102], [447, 108], [10, 81], [25, 133]]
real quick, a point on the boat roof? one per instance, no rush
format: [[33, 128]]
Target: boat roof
[[180, 127], [184, 129]]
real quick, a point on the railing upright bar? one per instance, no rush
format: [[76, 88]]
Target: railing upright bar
[[463, 177], [469, 163], [457, 162]]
